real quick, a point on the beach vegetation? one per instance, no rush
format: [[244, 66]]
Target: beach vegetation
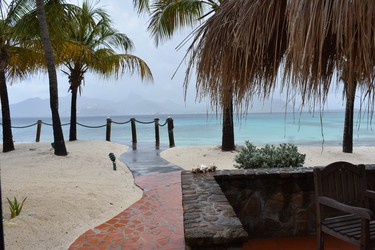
[[270, 156], [15, 207], [91, 28], [169, 16]]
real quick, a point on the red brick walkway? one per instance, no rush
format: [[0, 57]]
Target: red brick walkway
[[154, 222]]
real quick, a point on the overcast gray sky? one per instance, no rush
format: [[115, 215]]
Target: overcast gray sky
[[163, 62]]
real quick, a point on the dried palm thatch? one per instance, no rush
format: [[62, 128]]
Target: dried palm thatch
[[237, 52], [328, 37], [241, 49]]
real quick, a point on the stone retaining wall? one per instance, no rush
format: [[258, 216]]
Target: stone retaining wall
[[269, 203], [275, 202]]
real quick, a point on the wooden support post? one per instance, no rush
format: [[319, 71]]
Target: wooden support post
[[108, 131], [38, 131], [134, 133], [170, 132], [157, 134]]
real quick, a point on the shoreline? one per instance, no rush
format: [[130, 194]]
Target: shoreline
[[188, 157], [206, 129]]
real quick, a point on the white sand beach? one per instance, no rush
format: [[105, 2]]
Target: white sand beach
[[187, 157], [66, 196]]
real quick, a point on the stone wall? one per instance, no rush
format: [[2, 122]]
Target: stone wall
[[272, 203], [268, 203], [275, 202]]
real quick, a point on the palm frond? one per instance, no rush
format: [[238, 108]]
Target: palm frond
[[141, 5], [337, 37], [109, 64], [91, 46], [170, 15], [228, 60], [20, 47]]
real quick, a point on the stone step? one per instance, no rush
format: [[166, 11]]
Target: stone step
[[209, 220]]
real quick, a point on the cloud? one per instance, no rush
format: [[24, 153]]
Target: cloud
[[163, 62]]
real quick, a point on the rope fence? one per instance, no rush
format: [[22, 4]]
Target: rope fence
[[108, 125]]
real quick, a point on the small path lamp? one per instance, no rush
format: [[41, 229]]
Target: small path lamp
[[113, 159]]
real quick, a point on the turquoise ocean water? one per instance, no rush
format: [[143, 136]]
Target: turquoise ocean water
[[203, 129]]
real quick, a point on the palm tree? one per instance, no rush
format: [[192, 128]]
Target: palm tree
[[59, 143], [18, 58], [2, 243], [167, 16], [310, 40], [91, 29], [341, 41]]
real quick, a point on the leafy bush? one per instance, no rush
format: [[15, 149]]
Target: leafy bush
[[15, 207], [286, 155]]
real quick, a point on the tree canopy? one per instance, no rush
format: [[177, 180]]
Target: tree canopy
[[90, 29]]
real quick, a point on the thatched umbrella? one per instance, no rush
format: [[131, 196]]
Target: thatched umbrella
[[245, 45]]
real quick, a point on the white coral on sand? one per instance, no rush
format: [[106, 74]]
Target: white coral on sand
[[204, 168]]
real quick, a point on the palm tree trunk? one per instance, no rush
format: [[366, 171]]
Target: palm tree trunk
[[59, 143], [8, 144], [73, 114], [227, 142], [347, 144], [2, 242]]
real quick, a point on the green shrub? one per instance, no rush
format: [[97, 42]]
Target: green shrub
[[15, 207], [286, 155]]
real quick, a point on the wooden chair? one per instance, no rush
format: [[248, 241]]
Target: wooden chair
[[342, 206]]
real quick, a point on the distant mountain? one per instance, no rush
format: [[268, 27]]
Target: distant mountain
[[34, 107], [132, 105]]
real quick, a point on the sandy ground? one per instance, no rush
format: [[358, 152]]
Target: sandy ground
[[187, 157], [66, 196]]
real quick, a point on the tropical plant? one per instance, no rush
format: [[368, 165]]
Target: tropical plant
[[91, 29], [17, 58], [311, 41], [58, 136], [285, 155], [15, 207], [167, 16]]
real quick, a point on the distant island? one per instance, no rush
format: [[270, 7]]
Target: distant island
[[131, 105]]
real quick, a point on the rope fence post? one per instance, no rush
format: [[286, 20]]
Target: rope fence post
[[157, 134], [108, 130], [38, 130], [108, 125], [134, 133], [170, 132]]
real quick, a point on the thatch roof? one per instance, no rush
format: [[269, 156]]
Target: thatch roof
[[245, 45]]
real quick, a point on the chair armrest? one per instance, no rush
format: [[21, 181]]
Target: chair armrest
[[370, 194], [363, 213]]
